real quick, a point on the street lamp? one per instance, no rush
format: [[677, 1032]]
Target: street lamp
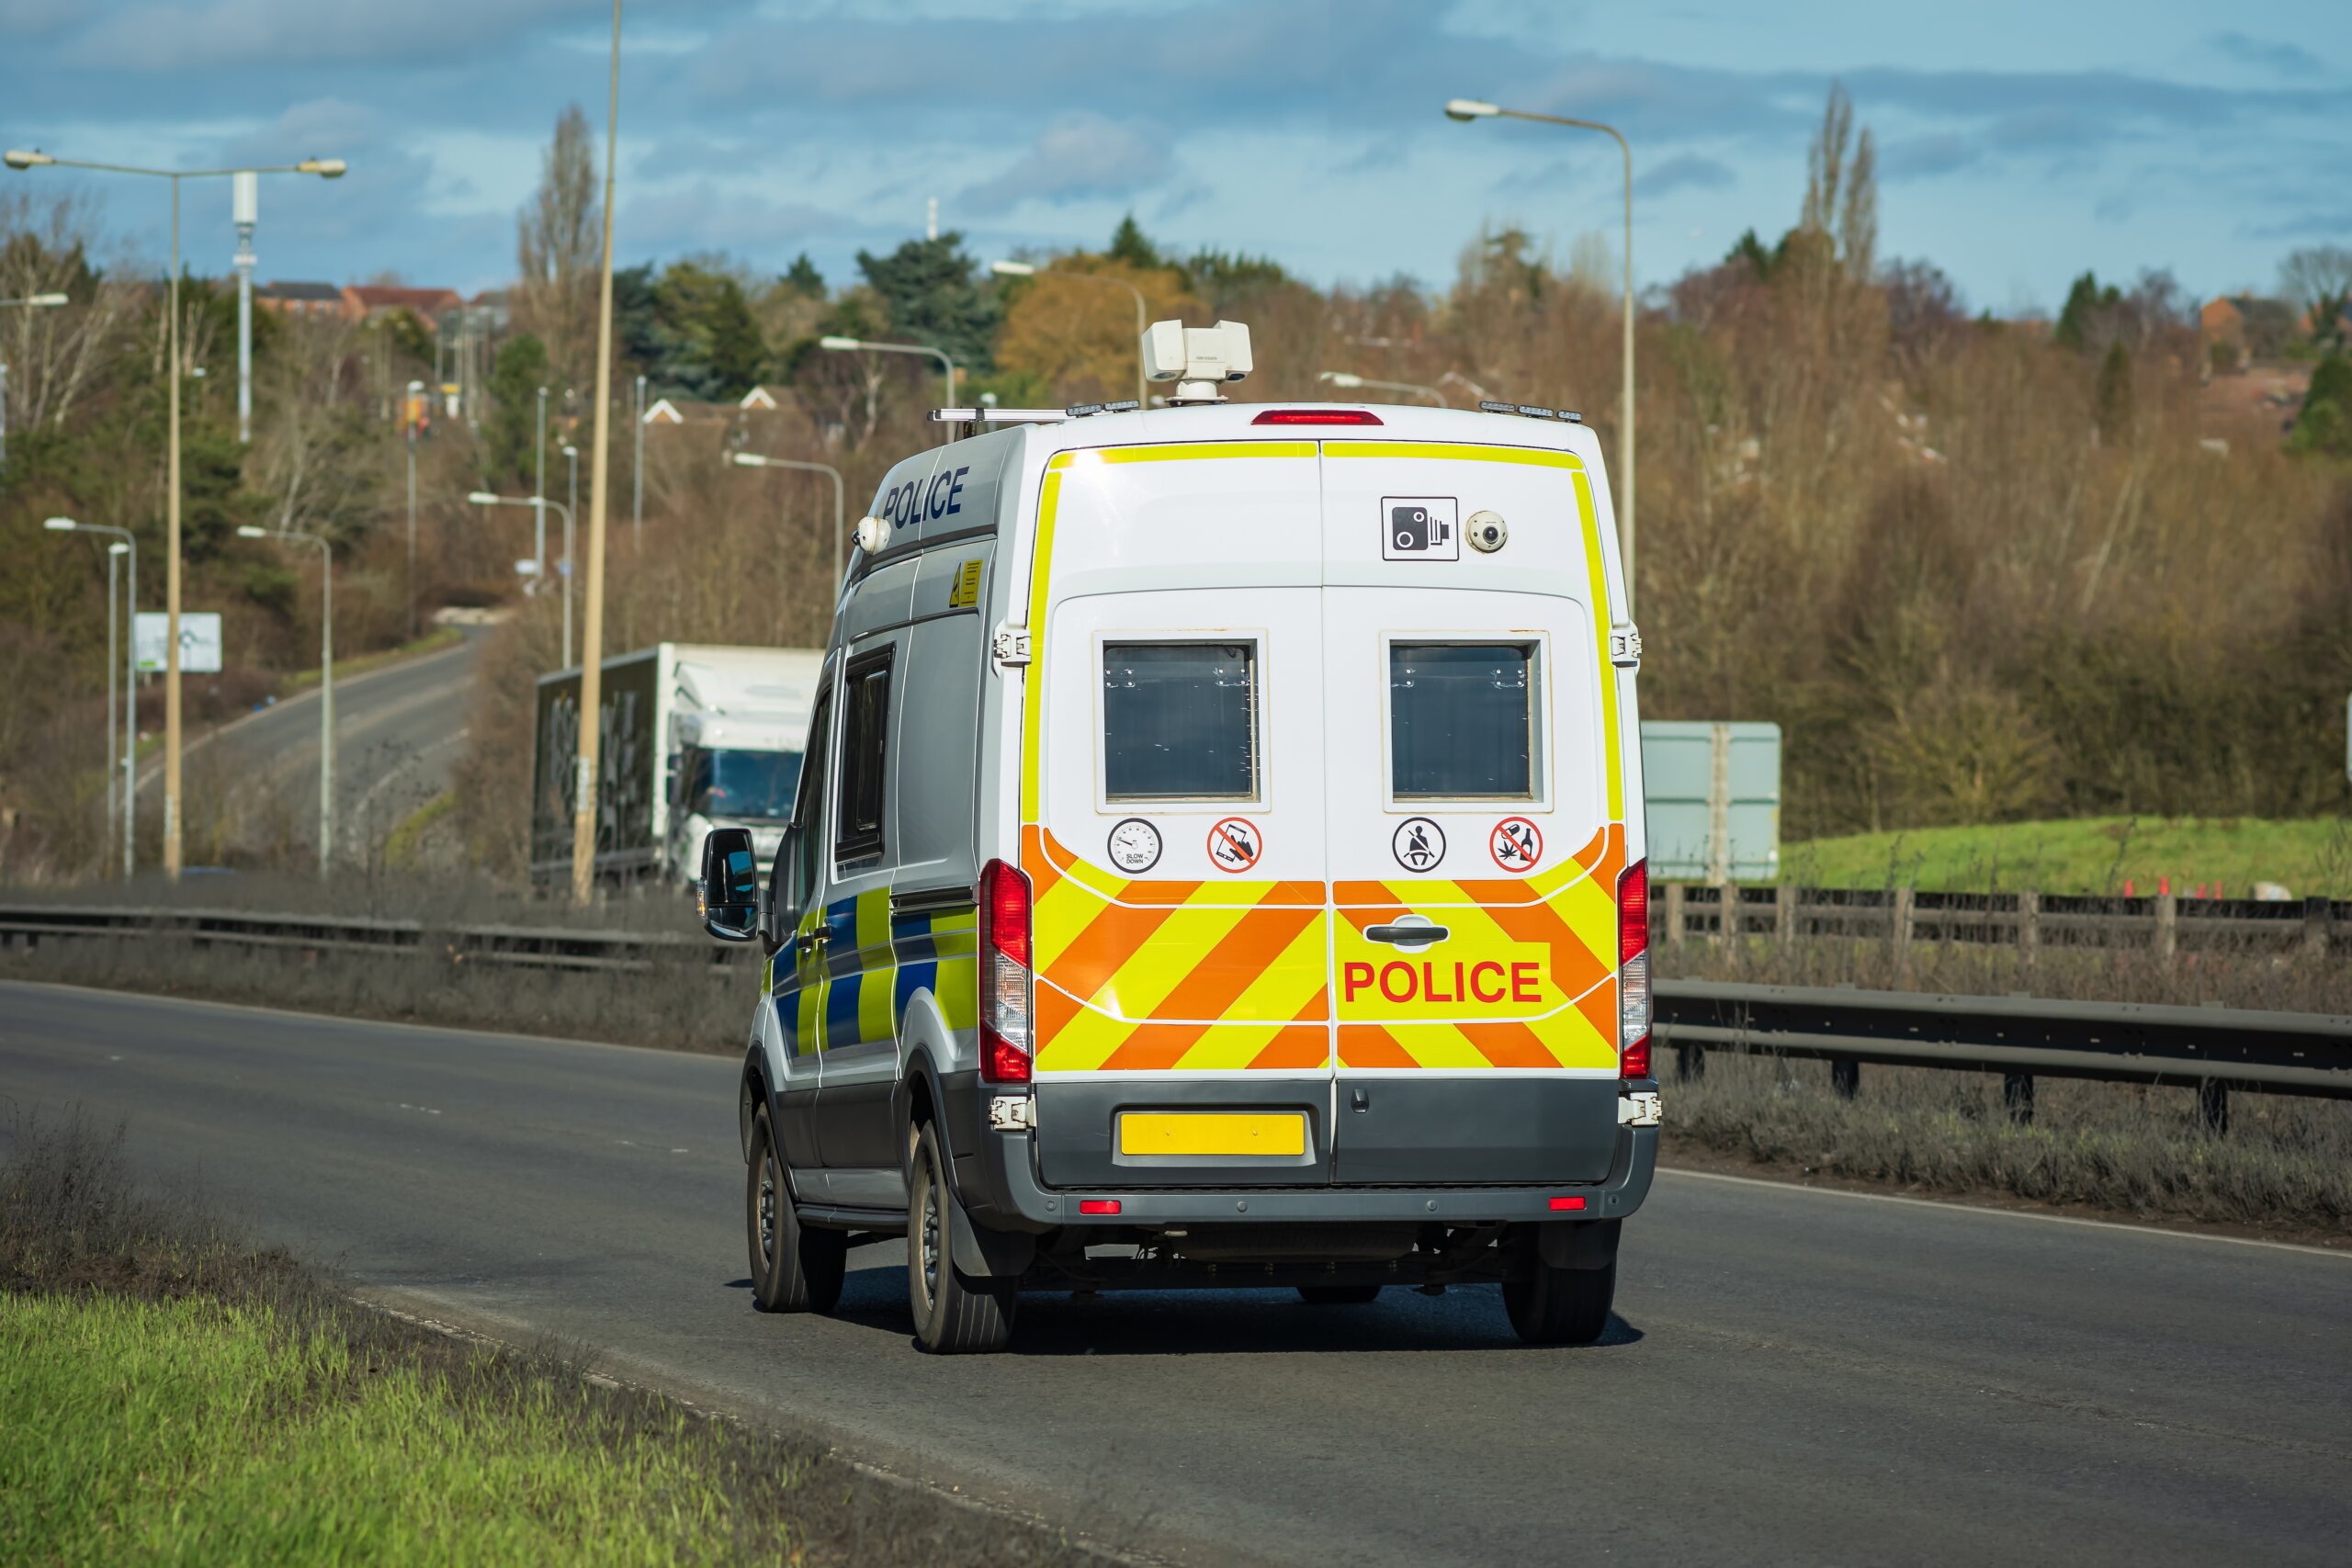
[[326, 680], [571, 461], [1469, 110], [484, 497], [326, 168], [130, 754], [414, 388], [1346, 379], [38, 301], [1023, 269], [753, 460], [859, 345]]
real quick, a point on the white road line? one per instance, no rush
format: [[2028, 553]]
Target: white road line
[[1961, 1206]]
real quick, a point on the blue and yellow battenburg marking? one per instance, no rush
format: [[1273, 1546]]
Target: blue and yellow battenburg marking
[[875, 963]]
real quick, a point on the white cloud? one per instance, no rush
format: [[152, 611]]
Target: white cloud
[[1080, 156]]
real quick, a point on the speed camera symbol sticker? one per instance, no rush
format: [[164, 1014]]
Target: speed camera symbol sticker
[[1235, 845], [1516, 843], [1419, 843]]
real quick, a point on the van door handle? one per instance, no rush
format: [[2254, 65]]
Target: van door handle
[[1414, 935]]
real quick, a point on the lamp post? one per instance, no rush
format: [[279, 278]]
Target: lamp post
[[1345, 379], [326, 680], [31, 303], [413, 388], [859, 345], [592, 670], [753, 460], [540, 488], [484, 497], [130, 754], [1467, 109], [572, 460], [636, 478], [326, 168], [1023, 269]]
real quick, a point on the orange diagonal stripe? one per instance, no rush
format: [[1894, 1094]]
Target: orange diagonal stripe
[[1226, 970]]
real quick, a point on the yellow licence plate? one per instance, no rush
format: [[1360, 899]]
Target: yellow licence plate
[[1212, 1133]]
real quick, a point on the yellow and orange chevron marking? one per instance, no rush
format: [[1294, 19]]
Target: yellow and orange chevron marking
[[1189, 975]]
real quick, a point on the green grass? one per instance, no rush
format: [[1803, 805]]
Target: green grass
[[191, 1430], [2095, 854], [401, 845]]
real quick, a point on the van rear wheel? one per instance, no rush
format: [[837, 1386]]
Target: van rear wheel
[[1561, 1306], [793, 1269], [956, 1314], [1338, 1295]]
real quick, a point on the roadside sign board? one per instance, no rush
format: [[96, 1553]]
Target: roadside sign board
[[199, 642]]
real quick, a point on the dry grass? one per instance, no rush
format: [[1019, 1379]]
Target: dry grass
[[180, 1392]]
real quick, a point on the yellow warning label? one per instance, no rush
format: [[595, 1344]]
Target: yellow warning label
[[964, 589]]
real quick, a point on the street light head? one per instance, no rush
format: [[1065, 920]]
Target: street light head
[[18, 158], [1467, 109], [48, 301], [417, 385], [1013, 269], [326, 168], [571, 451], [117, 549], [483, 498], [60, 525], [747, 459], [247, 531], [849, 343], [1342, 378]]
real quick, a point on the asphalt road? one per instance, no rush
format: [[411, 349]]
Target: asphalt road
[[1796, 1376], [399, 730]]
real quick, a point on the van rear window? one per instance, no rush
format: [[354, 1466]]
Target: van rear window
[[1462, 721], [1180, 720]]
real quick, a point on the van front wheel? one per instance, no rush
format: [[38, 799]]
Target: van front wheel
[[956, 1314], [1560, 1307], [793, 1269]]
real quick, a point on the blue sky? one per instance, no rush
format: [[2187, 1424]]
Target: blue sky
[[2019, 143]]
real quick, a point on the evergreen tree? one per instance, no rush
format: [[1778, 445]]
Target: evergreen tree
[[515, 378], [1129, 245], [2111, 401], [803, 277], [2085, 302], [2324, 426], [931, 290]]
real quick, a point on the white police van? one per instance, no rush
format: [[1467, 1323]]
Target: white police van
[[1218, 862]]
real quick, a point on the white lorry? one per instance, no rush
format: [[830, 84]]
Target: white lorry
[[696, 736]]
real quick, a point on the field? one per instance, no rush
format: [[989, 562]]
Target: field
[[2091, 854]]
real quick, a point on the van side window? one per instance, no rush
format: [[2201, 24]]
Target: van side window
[[865, 736], [1180, 720], [1462, 721], [797, 857]]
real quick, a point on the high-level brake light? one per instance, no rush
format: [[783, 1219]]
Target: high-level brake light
[[1633, 971], [1317, 416], [1008, 989]]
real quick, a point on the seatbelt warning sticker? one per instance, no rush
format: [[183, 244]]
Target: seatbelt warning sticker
[[1418, 844], [1235, 844]]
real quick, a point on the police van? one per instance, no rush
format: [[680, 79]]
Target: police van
[[1218, 862]]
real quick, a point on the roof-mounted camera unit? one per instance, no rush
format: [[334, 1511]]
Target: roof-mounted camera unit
[[1198, 359]]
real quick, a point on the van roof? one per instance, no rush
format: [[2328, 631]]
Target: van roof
[[1238, 421]]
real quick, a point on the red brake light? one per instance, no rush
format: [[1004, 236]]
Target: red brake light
[[1633, 971], [1566, 1205], [1317, 416], [1008, 991], [1097, 1205]]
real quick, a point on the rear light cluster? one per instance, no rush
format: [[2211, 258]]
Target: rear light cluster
[[1008, 989], [1633, 971]]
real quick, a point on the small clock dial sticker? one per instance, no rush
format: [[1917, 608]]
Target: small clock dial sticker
[[1135, 846]]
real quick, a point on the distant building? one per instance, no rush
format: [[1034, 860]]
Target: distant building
[[301, 298], [367, 301], [2251, 327]]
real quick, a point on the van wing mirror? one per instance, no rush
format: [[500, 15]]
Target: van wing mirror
[[730, 885]]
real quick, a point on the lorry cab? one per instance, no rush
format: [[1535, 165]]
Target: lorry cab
[[1218, 860]]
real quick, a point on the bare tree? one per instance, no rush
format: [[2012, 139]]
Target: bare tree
[[54, 357], [559, 250]]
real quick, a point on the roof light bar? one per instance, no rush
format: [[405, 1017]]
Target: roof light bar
[[998, 416], [1531, 410], [1317, 416]]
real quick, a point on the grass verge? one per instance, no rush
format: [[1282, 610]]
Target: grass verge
[[2090, 855], [431, 642], [401, 844], [169, 1391]]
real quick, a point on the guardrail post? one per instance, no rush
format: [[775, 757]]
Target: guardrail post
[[1785, 914], [2318, 916], [1675, 894], [2213, 1106], [1899, 929], [2017, 1098], [2167, 943], [1727, 913], [2029, 931], [1845, 1075]]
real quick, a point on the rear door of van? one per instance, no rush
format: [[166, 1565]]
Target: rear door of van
[[1475, 807]]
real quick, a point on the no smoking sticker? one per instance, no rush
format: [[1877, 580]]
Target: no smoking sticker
[[1516, 843], [1235, 844]]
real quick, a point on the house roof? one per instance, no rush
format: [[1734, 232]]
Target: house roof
[[325, 293], [384, 296]]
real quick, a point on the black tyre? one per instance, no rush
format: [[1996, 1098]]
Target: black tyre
[[793, 1269], [955, 1314], [1338, 1295], [1561, 1306]]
